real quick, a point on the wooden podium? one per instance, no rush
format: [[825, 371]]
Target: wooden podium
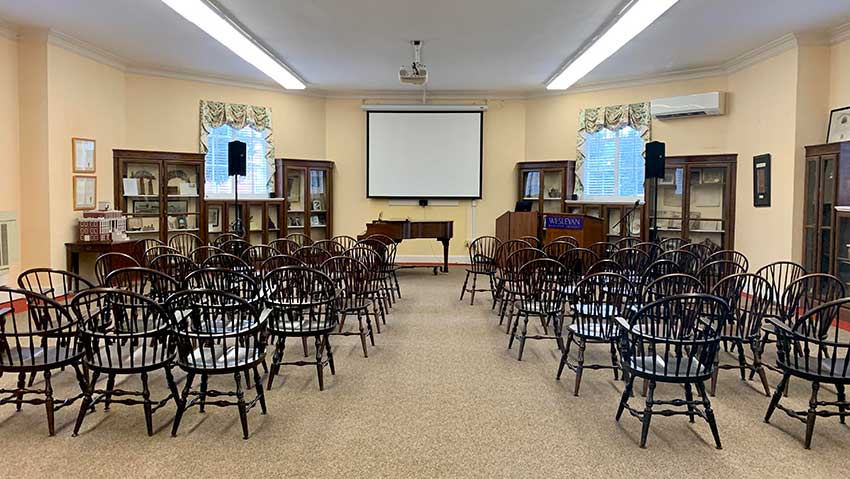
[[513, 225], [585, 229]]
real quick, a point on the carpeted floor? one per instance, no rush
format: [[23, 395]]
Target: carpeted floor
[[439, 396]]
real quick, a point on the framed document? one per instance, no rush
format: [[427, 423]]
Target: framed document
[[839, 125], [761, 180], [83, 153], [85, 193]]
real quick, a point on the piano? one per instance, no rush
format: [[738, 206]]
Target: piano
[[400, 230]]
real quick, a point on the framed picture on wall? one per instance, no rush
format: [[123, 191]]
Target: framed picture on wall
[[82, 150], [839, 125], [85, 193], [761, 180]]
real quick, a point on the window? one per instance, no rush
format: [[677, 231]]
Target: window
[[255, 183], [613, 164]]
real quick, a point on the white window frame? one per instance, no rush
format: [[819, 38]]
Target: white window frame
[[616, 198], [230, 196]]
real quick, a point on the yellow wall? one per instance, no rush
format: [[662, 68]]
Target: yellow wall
[[9, 154], [85, 100], [552, 121], [775, 106], [162, 114], [839, 90]]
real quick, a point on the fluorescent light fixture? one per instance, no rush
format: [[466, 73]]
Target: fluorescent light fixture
[[640, 15], [419, 107], [209, 20]]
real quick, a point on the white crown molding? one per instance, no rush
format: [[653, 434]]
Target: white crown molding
[[764, 52], [204, 78], [86, 49], [839, 34], [8, 30]]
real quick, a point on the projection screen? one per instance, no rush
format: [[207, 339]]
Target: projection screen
[[424, 154]]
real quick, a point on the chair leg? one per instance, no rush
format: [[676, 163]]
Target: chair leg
[[512, 333], [474, 285], [19, 394], [614, 362], [624, 399], [330, 352], [304, 345], [258, 385], [87, 400], [522, 338], [742, 361], [709, 414], [181, 405], [397, 287], [202, 396], [558, 321], [368, 327], [319, 366], [841, 399], [240, 403], [276, 359], [362, 336], [811, 416], [582, 345], [146, 397], [565, 355], [110, 385], [647, 415], [777, 396], [758, 367], [689, 397], [172, 386], [48, 402], [463, 288], [713, 385]]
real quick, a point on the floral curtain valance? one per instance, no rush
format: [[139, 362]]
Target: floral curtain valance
[[216, 113], [615, 117]]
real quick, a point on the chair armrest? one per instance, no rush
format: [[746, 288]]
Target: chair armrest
[[621, 321], [779, 324], [264, 315]]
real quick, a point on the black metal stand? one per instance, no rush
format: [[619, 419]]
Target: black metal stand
[[626, 218], [653, 233], [236, 227]]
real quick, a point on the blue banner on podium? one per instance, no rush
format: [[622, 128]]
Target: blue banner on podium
[[563, 222]]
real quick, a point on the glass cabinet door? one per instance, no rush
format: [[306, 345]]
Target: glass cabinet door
[[253, 221], [273, 220], [553, 197], [140, 183], [707, 203], [842, 248], [318, 206], [810, 216], [670, 202], [183, 210], [613, 217], [531, 188], [295, 200], [827, 184]]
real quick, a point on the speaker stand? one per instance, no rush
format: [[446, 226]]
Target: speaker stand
[[236, 227], [653, 232]]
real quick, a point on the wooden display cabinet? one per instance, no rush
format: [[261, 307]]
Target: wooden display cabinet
[[307, 187], [826, 209], [696, 199], [547, 184], [162, 193]]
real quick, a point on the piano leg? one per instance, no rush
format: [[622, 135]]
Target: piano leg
[[445, 242]]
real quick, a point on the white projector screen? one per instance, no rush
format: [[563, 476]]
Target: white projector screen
[[427, 154]]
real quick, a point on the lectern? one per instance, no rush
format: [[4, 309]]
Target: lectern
[[585, 229], [514, 225]]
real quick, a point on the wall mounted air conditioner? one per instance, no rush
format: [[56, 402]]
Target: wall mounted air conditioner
[[8, 240], [701, 104]]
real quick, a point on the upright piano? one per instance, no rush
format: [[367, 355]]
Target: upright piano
[[400, 230]]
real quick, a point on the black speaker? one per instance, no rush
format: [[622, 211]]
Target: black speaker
[[236, 159], [654, 160], [423, 202]]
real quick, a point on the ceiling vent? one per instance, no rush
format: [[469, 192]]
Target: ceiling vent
[[701, 104]]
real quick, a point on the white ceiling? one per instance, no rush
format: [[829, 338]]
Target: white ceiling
[[477, 45]]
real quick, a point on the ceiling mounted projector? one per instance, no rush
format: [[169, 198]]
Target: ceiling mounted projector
[[415, 73]]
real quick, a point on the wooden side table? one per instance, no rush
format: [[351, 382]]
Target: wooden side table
[[73, 251]]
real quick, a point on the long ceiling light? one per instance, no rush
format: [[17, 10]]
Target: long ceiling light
[[209, 20], [639, 15]]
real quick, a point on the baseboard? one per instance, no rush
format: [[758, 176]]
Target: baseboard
[[427, 259]]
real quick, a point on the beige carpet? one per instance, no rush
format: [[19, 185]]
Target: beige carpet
[[439, 396]]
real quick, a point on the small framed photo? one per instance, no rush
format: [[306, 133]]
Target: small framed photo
[[85, 193], [317, 205], [214, 219], [669, 178], [839, 125], [315, 220], [176, 207], [146, 207], [84, 155]]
